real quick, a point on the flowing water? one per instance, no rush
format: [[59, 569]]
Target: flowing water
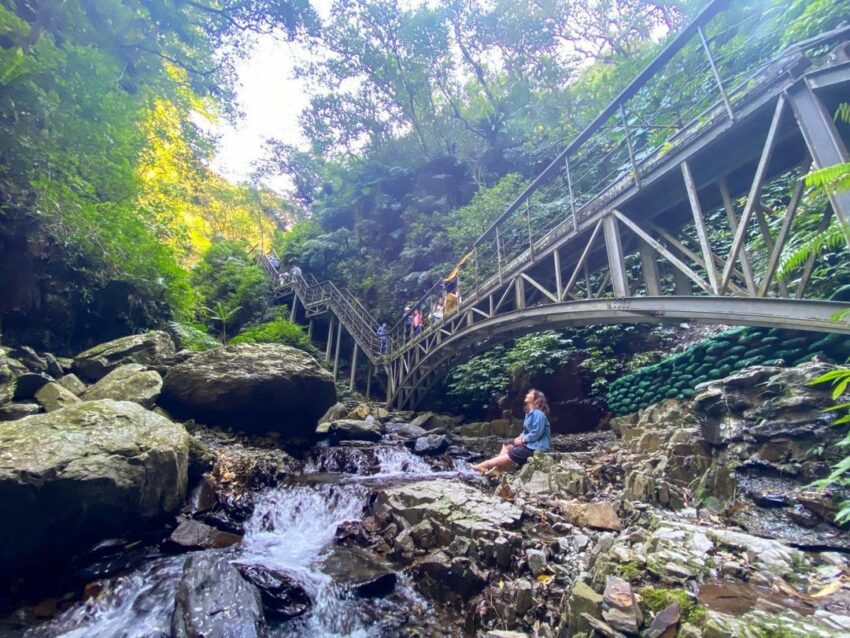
[[291, 530]]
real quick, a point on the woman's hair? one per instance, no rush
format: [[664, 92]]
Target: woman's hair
[[539, 401]]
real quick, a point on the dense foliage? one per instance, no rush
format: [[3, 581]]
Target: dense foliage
[[103, 164]]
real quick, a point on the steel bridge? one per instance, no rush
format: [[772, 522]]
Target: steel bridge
[[614, 229]]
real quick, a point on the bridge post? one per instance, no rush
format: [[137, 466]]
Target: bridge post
[[329, 345], [519, 293], [499, 254], [353, 367], [368, 380], [570, 189], [650, 269], [338, 343], [294, 306], [616, 260], [310, 329], [822, 139], [723, 95], [681, 283], [556, 256]]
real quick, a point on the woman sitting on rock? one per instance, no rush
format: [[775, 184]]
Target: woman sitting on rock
[[535, 436]]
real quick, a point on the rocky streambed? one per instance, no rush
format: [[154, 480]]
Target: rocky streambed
[[131, 518]]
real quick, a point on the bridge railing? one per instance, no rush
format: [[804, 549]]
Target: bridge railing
[[714, 65]]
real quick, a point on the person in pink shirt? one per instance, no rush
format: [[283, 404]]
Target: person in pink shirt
[[417, 322]]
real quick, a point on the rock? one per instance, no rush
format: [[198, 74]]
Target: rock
[[443, 578], [431, 445], [85, 472], [72, 383], [258, 387], [53, 396], [664, 624], [431, 421], [499, 633], [282, 597], [30, 359], [54, 368], [582, 601], [27, 384], [212, 599], [129, 382], [594, 515], [460, 507], [351, 430], [601, 628], [619, 606], [405, 430], [335, 412], [536, 561], [524, 596], [366, 574], [14, 411], [195, 535], [150, 348]]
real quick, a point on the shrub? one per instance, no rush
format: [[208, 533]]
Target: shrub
[[192, 337], [277, 331]]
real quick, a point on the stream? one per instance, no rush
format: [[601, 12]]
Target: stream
[[291, 530]]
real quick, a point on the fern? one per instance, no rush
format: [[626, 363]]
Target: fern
[[843, 112], [831, 239], [831, 178]]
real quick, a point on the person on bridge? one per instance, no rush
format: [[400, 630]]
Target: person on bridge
[[382, 333], [536, 436], [295, 272], [417, 322]]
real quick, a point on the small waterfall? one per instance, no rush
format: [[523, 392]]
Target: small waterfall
[[139, 604], [291, 530], [288, 531]]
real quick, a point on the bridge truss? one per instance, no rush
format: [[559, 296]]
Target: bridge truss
[[614, 230]]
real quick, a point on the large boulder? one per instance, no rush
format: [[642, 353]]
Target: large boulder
[[258, 387], [85, 472], [150, 348], [213, 599], [130, 382]]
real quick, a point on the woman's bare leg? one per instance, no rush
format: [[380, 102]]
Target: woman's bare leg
[[502, 461]]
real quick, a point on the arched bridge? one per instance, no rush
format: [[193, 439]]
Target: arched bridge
[[615, 228]]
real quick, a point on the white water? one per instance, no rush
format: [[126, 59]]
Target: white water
[[379, 463], [138, 605], [289, 531]]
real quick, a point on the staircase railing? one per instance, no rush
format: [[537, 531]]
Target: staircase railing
[[359, 323]]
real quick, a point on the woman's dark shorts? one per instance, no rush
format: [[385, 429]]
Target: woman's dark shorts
[[520, 454]]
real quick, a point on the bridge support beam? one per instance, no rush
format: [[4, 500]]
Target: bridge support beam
[[338, 343], [650, 270], [294, 308], [353, 367], [368, 380], [330, 344], [822, 139], [616, 259], [519, 291]]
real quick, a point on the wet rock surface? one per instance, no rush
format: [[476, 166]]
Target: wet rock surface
[[213, 599], [90, 469]]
